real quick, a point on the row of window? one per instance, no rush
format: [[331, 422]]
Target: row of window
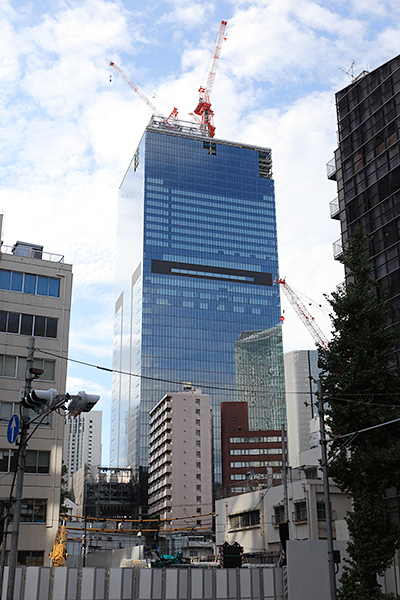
[[37, 461], [252, 451], [245, 519], [15, 366], [255, 463], [7, 409], [253, 439], [29, 284], [28, 325]]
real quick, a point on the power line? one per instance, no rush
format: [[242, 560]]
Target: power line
[[211, 387]]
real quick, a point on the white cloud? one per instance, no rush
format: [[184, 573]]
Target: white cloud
[[187, 14]]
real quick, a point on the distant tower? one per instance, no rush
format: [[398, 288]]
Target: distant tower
[[82, 441], [300, 372], [260, 377]]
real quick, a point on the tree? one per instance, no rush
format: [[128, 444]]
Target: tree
[[362, 389]]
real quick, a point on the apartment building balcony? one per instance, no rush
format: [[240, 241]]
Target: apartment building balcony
[[334, 208], [337, 249], [331, 169]]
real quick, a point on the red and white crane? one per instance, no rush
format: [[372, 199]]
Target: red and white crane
[[308, 320], [203, 109], [136, 88]]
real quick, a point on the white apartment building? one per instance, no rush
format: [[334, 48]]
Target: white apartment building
[[180, 465], [35, 300], [82, 441]]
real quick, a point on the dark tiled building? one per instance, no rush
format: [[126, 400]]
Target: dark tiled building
[[248, 456], [367, 171]]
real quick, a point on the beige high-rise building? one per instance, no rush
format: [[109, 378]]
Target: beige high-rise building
[[180, 469], [35, 301]]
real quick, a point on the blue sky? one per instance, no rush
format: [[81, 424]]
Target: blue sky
[[68, 133]]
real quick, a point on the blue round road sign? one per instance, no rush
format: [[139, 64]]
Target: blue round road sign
[[13, 429]]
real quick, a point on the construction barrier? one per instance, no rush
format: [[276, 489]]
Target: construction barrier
[[181, 583]]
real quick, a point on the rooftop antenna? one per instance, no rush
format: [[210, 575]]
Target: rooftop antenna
[[350, 71]]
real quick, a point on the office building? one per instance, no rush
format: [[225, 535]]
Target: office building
[[82, 441], [366, 168], [249, 457], [259, 377], [35, 302], [301, 374], [196, 261], [180, 469]]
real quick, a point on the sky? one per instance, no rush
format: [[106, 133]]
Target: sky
[[68, 129]]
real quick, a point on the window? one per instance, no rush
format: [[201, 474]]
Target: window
[[198, 511], [198, 422], [321, 513], [37, 461], [7, 409], [245, 519], [33, 511], [279, 514], [8, 460], [197, 411], [198, 444], [300, 512], [198, 521], [29, 284], [198, 488], [198, 476], [197, 400], [198, 433], [14, 366], [198, 465], [31, 558], [28, 324], [198, 454], [198, 498]]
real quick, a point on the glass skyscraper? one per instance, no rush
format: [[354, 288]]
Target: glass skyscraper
[[196, 261]]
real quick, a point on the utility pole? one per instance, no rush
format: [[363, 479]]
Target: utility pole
[[284, 473], [20, 474], [328, 512]]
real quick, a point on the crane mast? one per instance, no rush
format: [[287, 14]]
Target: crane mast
[[304, 314], [203, 109], [138, 91]]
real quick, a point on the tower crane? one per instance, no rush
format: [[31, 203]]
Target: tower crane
[[135, 88], [308, 320], [203, 109]]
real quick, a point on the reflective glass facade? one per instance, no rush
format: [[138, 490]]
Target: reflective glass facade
[[197, 256]]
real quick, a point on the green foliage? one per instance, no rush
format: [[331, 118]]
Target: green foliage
[[363, 390]]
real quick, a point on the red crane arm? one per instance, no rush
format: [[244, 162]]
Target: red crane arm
[[305, 316], [141, 95]]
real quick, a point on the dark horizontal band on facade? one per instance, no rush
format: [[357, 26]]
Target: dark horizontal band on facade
[[206, 272]]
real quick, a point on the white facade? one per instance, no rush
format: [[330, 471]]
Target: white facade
[[82, 441], [300, 366], [252, 519], [35, 300], [180, 471]]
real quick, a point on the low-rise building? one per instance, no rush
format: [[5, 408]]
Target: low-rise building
[[252, 519]]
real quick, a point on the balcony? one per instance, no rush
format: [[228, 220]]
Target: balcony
[[331, 169], [337, 249], [334, 208]]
